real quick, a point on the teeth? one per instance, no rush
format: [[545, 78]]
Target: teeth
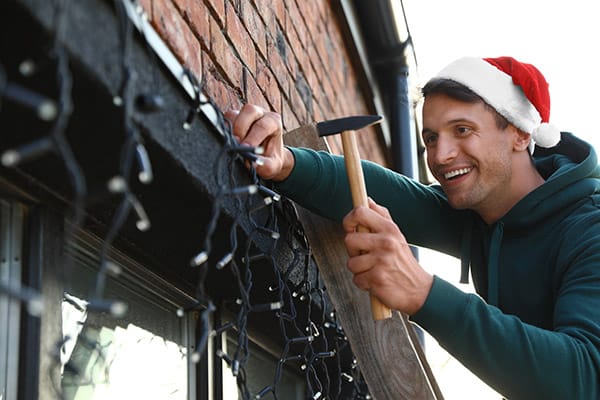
[[457, 172]]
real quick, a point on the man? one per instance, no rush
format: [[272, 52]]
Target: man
[[527, 226]]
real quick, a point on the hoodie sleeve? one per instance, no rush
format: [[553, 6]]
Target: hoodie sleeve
[[319, 183], [518, 360]]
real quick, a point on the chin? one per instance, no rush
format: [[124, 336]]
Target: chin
[[458, 204]]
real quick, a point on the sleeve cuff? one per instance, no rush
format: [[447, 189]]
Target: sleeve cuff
[[444, 308]]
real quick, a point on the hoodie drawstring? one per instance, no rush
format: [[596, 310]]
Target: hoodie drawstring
[[493, 263], [465, 251]]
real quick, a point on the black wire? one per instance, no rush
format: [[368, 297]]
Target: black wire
[[306, 340]]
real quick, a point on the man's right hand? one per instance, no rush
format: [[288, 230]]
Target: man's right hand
[[254, 126]]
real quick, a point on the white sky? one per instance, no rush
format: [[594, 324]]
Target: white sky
[[558, 37]]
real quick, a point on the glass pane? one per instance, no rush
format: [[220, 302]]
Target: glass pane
[[141, 355], [11, 222], [260, 373]]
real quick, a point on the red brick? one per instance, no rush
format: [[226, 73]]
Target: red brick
[[341, 62], [267, 82], [266, 11], [317, 111], [198, 16], [346, 107], [177, 35], [255, 26], [279, 11], [335, 144], [321, 42], [219, 91], [335, 97], [254, 94], [325, 12], [295, 45], [277, 64], [263, 8], [316, 63], [329, 105], [180, 4], [289, 119], [296, 31], [310, 16], [311, 76], [297, 104], [218, 8], [370, 148], [223, 57], [240, 39], [290, 58], [311, 56]]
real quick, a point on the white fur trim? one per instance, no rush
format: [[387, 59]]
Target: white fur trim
[[496, 88], [546, 135]]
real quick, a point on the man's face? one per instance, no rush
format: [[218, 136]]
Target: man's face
[[467, 153]]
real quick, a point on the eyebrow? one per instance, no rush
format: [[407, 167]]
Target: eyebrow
[[451, 122], [427, 130]]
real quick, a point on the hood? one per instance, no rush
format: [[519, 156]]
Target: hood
[[571, 172]]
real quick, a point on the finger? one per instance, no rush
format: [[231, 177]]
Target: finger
[[267, 127], [356, 217], [245, 118], [381, 210], [361, 281], [360, 263], [231, 115], [357, 243]]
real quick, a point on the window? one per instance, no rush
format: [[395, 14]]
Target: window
[[260, 373], [142, 353], [11, 226], [76, 352]]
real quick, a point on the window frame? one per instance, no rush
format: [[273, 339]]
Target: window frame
[[12, 215]]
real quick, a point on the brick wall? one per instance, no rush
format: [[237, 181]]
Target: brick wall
[[288, 56]]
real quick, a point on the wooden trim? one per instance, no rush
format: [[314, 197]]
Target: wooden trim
[[388, 354]]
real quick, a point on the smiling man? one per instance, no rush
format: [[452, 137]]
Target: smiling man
[[525, 224]]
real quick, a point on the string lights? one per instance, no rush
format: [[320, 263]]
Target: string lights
[[309, 339], [58, 112], [313, 342]]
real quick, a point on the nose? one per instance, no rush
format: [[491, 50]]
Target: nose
[[444, 151]]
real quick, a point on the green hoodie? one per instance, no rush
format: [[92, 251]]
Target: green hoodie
[[535, 331]]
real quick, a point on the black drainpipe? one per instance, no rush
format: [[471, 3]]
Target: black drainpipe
[[388, 58], [393, 75]]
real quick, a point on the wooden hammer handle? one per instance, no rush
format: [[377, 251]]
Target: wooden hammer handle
[[359, 198]]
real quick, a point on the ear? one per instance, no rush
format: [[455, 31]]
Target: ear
[[521, 140]]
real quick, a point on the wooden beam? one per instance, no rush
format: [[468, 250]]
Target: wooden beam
[[388, 352]]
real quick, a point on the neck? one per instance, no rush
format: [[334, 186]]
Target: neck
[[525, 179]]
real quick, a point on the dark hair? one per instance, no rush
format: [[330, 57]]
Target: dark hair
[[460, 92]]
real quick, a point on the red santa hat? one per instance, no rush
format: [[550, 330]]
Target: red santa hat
[[516, 90]]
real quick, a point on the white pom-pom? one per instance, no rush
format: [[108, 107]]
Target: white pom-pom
[[546, 135]]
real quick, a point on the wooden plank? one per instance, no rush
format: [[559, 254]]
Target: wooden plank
[[389, 355]]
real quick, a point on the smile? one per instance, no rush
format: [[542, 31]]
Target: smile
[[458, 172]]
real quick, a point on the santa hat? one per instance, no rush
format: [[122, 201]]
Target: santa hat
[[516, 90]]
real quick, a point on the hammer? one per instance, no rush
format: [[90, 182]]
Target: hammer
[[346, 126]]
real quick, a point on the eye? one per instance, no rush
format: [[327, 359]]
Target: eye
[[429, 139], [463, 130]]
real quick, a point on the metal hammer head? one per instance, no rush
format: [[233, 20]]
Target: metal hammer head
[[333, 126]]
